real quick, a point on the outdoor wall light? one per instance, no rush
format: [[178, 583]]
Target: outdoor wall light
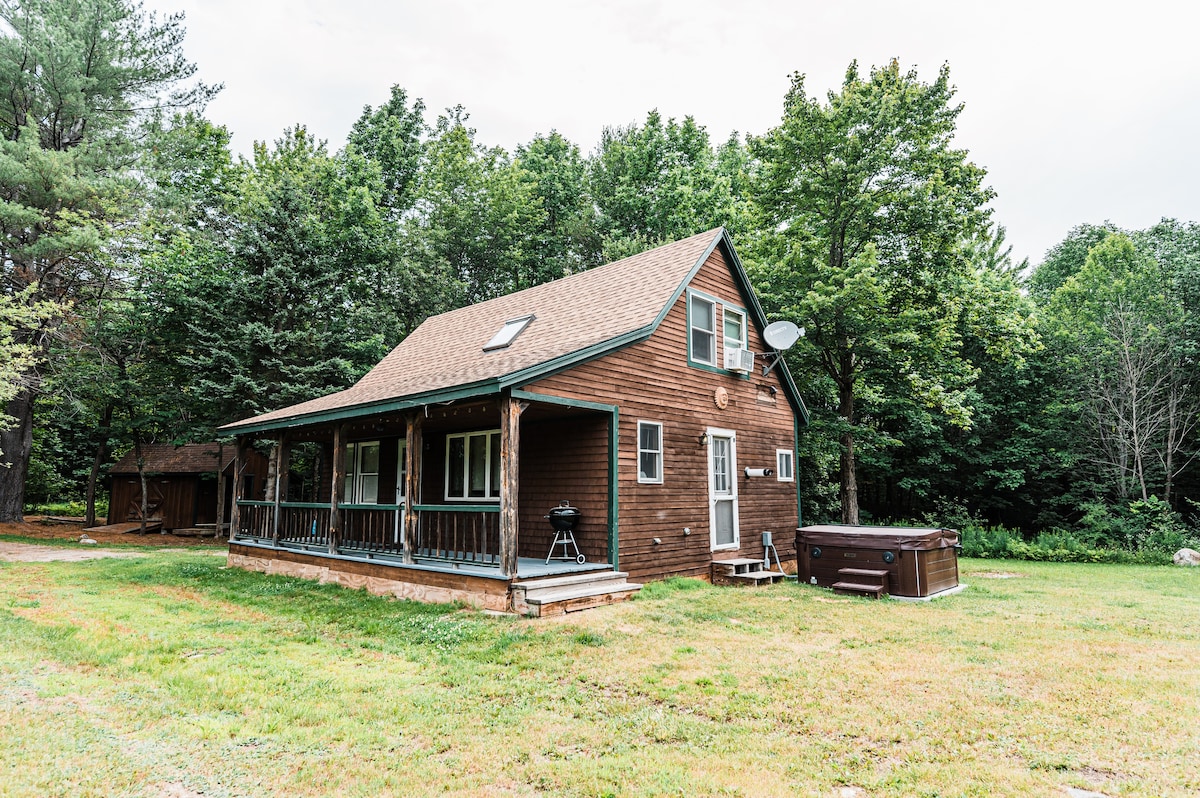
[[704, 439]]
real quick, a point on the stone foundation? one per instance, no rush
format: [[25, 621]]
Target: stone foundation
[[415, 586]]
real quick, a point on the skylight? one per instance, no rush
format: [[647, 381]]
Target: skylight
[[508, 333]]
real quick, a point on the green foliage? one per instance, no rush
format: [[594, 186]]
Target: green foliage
[[872, 206], [662, 181], [71, 509]]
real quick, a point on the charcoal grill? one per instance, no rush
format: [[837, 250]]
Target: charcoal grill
[[563, 519]]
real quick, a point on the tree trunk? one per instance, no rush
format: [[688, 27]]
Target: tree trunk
[[15, 445], [141, 467], [849, 482], [101, 455]]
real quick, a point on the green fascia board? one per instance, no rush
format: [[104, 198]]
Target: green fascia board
[[409, 402], [572, 359], [565, 401], [613, 443]]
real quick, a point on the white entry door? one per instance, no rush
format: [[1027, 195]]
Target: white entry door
[[722, 488]]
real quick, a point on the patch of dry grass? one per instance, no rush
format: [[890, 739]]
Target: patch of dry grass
[[168, 676]]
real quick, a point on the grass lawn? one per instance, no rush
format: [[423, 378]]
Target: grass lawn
[[167, 675]]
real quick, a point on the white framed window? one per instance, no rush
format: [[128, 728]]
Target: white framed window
[[650, 452], [734, 321], [785, 468], [473, 466], [702, 330], [361, 485]]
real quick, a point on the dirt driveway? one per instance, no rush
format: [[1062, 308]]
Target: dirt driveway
[[30, 552]]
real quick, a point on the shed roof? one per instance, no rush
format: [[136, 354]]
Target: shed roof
[[574, 318], [165, 458]]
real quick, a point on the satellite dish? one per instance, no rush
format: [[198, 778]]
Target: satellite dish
[[782, 335]]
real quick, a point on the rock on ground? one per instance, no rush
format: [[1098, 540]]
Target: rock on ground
[[1187, 557]]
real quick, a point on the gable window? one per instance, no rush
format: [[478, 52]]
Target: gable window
[[714, 329], [785, 469], [473, 466], [735, 328], [362, 473], [508, 333], [702, 318], [650, 452]]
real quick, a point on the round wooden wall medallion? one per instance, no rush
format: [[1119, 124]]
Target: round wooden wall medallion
[[721, 398]]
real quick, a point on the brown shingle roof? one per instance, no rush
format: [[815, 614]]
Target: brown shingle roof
[[164, 458], [573, 314]]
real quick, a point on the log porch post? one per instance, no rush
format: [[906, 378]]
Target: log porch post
[[413, 449], [510, 447], [335, 495], [283, 456], [239, 466]]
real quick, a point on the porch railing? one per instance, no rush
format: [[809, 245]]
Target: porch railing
[[304, 524], [467, 533], [373, 528]]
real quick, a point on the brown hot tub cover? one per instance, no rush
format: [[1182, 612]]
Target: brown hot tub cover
[[879, 537]]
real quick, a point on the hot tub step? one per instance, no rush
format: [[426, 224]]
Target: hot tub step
[[875, 591]]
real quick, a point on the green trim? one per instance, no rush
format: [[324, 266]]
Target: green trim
[[457, 508], [613, 442], [255, 503], [565, 401], [691, 275], [613, 514], [472, 390], [796, 472], [387, 507], [305, 505], [575, 358]]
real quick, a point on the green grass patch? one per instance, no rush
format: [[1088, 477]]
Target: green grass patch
[[169, 674]]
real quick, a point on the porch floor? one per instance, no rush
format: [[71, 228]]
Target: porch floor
[[527, 567]]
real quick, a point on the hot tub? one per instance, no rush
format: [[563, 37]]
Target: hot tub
[[918, 562]]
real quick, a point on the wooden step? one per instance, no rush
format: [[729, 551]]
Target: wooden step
[[875, 591], [561, 594], [759, 577], [587, 577], [738, 565], [587, 600], [862, 572]]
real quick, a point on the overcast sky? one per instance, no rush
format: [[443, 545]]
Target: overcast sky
[[1080, 112]]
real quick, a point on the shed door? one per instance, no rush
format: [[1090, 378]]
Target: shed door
[[722, 489], [154, 500]]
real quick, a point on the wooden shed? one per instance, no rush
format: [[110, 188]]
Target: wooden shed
[[641, 392], [181, 484]]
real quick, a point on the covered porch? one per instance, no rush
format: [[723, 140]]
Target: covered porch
[[456, 489]]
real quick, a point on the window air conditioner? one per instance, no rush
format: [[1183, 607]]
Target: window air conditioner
[[741, 360]]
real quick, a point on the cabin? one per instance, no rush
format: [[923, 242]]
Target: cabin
[[181, 485], [638, 401]]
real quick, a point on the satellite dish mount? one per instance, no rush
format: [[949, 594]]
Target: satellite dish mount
[[780, 336]]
